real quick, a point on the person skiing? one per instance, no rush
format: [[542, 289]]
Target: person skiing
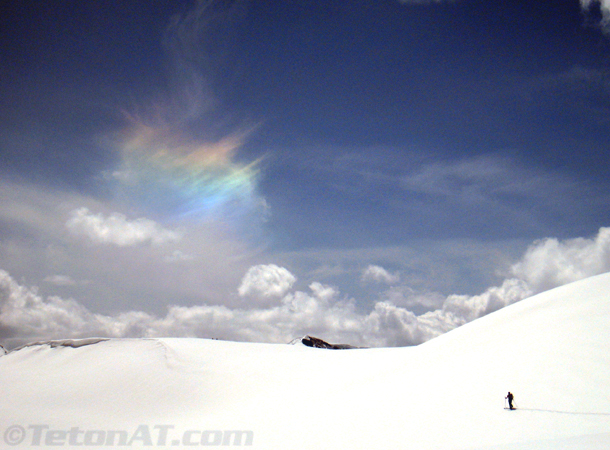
[[510, 397]]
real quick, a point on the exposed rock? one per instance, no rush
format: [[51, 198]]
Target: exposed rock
[[311, 341], [74, 343]]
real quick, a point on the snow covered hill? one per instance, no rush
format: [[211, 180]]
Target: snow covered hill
[[552, 351]]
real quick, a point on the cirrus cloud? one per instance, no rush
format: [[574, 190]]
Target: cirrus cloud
[[60, 280]]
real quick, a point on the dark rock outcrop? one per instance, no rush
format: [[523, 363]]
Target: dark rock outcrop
[[311, 341]]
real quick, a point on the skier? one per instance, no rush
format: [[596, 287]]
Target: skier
[[510, 400]]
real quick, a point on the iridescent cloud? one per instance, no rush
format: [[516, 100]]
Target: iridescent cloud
[[168, 173]]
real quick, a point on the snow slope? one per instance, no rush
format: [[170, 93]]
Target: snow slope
[[552, 351]]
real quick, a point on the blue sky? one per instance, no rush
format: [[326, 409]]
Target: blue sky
[[377, 152]]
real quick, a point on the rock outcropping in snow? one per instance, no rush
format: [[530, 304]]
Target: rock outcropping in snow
[[74, 343], [315, 342]]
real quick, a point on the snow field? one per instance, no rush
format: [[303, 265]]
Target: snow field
[[551, 350]]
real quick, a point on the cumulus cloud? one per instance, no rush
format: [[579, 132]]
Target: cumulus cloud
[[409, 297], [118, 230], [24, 313], [604, 9], [265, 281], [26, 316], [322, 310], [378, 274], [549, 263], [205, 265], [323, 292]]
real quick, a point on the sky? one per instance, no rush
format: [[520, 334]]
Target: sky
[[370, 172]]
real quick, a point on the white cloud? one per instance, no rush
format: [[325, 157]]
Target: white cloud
[[550, 263], [604, 7], [178, 256], [323, 311], [466, 308], [25, 314], [60, 280], [378, 274], [36, 243], [265, 281], [493, 191], [118, 230], [323, 292], [480, 179], [409, 297]]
